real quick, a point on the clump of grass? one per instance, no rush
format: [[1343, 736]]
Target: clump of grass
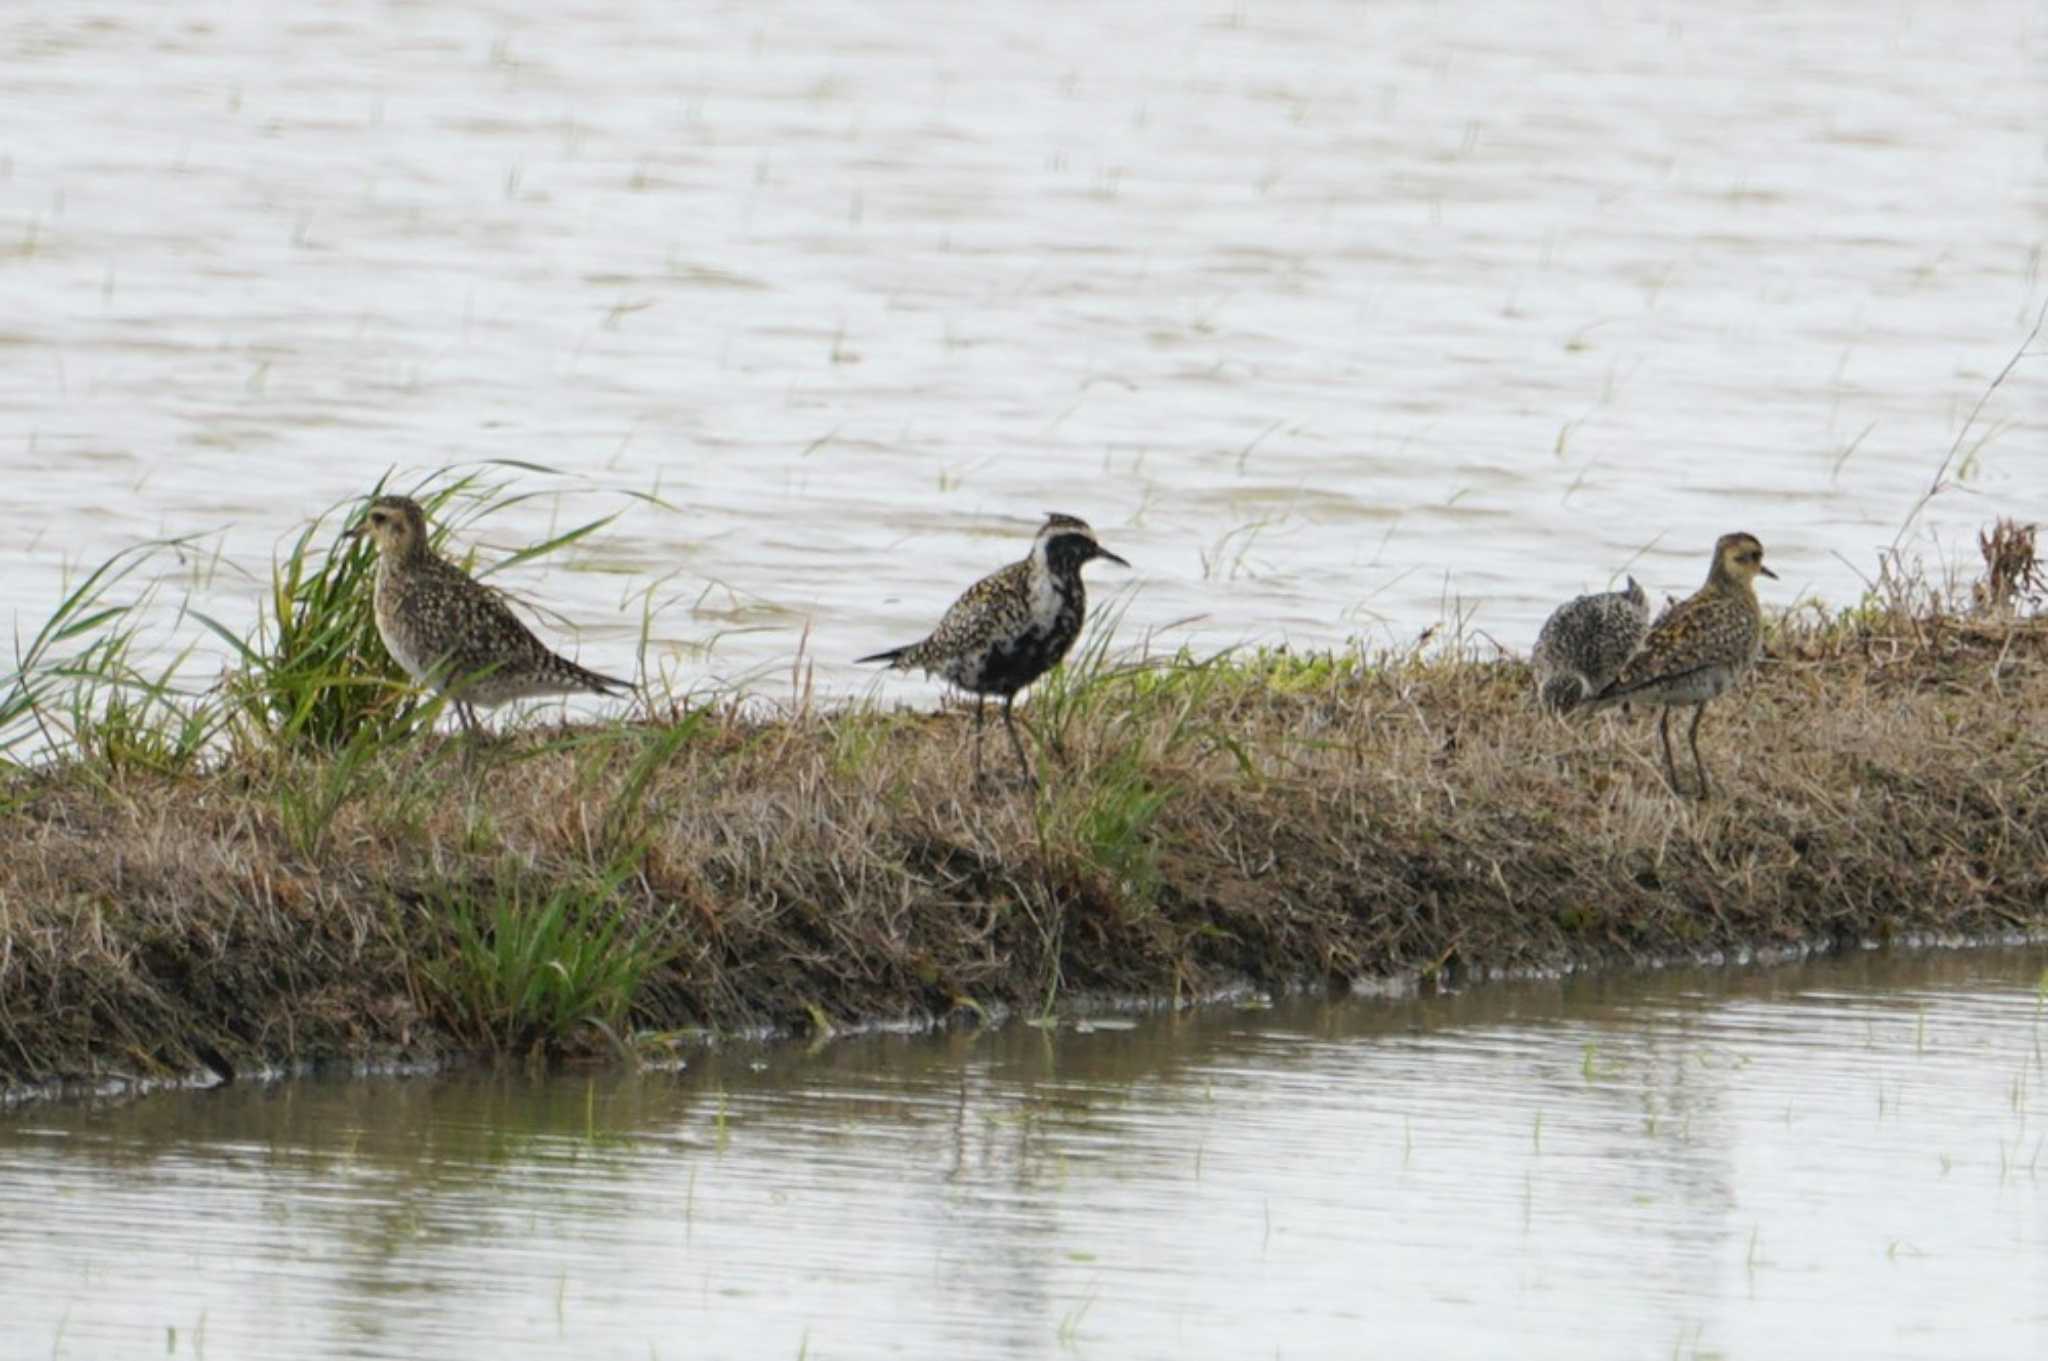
[[310, 793], [2012, 570], [626, 830], [80, 688], [858, 738], [1160, 702], [528, 965], [1109, 817], [313, 675]]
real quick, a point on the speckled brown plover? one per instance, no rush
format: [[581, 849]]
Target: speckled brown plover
[[452, 633], [1012, 626], [1585, 643], [1703, 646]]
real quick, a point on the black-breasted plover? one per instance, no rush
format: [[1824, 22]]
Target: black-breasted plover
[[1012, 626], [1701, 647], [451, 632], [1584, 644]]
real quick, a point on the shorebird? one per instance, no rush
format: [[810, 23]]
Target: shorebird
[[1700, 648], [452, 633], [1012, 626], [1585, 643]]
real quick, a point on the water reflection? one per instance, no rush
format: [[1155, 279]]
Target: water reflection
[[1703, 1162]]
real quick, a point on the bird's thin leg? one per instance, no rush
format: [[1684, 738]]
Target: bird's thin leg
[[1017, 743], [1664, 735], [1692, 736], [471, 739]]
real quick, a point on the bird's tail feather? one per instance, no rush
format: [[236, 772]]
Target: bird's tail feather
[[1606, 699], [603, 684]]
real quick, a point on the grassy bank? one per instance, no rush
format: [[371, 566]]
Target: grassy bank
[[296, 865]]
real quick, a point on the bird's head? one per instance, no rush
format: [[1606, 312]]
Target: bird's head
[[1065, 542], [1739, 558], [396, 524]]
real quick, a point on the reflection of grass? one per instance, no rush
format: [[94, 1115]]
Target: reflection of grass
[[319, 877]]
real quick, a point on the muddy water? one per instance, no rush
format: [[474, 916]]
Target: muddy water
[[1690, 1164], [1335, 319]]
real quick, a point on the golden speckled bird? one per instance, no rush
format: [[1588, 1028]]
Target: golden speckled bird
[[1700, 648], [453, 633], [1012, 626], [1585, 643]]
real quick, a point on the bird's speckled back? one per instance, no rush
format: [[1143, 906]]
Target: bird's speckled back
[[1585, 643]]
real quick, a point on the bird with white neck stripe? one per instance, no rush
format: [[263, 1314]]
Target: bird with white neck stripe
[[1012, 626]]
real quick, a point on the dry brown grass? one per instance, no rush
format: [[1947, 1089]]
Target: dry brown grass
[[2012, 570], [1279, 819]]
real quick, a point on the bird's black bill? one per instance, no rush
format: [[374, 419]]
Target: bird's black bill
[[1767, 571], [1102, 552]]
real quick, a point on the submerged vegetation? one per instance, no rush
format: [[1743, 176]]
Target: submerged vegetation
[[295, 865]]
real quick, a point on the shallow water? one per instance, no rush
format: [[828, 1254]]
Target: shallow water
[[1334, 320], [1690, 1163]]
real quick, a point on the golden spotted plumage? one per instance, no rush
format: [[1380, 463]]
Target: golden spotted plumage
[[1700, 649], [451, 632]]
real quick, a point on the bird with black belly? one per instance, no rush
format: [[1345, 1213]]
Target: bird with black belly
[[1012, 626]]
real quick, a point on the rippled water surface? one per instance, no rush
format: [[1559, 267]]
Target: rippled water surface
[[1735, 1163], [1333, 318]]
